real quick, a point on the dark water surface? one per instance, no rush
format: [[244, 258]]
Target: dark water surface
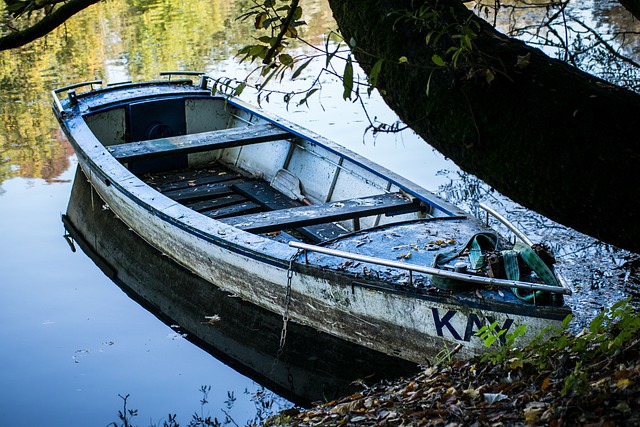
[[71, 341]]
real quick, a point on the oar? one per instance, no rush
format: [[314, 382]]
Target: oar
[[289, 185]]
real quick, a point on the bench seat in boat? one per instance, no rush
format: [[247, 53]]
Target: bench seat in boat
[[303, 216], [197, 142]]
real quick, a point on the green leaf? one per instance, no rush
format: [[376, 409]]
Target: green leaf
[[427, 39], [566, 321], [261, 20], [306, 97], [429, 83], [239, 89], [297, 14], [301, 68], [489, 76], [373, 75], [258, 51], [467, 42], [490, 340], [286, 60], [437, 60], [347, 79]]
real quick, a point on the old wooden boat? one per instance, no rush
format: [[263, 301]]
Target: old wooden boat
[[300, 226], [312, 366]]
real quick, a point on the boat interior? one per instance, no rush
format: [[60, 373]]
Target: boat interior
[[262, 175], [230, 164]]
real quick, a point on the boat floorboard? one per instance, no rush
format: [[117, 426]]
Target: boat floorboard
[[218, 192], [233, 210], [263, 193]]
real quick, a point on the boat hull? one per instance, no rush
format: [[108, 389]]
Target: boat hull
[[403, 321]]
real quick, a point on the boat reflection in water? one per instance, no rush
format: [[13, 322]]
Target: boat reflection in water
[[310, 366]]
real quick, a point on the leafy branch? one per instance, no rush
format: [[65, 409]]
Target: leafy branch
[[54, 17]]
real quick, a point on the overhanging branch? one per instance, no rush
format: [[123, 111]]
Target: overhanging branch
[[45, 25]]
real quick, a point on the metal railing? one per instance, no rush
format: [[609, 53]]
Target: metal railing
[[463, 277], [70, 91], [448, 274]]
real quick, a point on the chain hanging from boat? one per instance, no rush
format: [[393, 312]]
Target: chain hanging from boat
[[287, 301]]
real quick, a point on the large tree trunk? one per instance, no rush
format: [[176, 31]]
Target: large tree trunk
[[557, 140]]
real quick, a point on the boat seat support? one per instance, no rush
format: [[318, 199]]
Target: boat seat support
[[197, 142], [303, 216]]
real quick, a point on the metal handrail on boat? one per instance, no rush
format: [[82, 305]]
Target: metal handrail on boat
[[170, 74], [55, 92], [506, 223], [470, 278]]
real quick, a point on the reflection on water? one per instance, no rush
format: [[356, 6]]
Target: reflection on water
[[114, 41], [309, 367]]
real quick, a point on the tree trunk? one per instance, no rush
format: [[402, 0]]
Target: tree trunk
[[557, 140]]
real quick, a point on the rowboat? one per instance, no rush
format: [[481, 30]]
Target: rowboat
[[300, 226], [312, 367]]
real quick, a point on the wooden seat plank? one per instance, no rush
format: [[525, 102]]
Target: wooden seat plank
[[304, 216], [196, 142], [187, 183]]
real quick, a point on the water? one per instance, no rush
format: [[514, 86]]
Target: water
[[72, 341]]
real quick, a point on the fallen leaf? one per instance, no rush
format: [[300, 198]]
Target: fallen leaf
[[494, 397], [623, 383]]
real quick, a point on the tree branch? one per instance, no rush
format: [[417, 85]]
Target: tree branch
[[45, 25], [283, 30]]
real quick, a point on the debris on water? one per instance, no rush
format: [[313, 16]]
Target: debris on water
[[212, 320]]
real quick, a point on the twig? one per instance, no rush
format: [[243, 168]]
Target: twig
[[283, 30]]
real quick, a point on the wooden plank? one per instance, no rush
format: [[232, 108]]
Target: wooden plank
[[212, 179], [216, 203], [266, 195], [304, 216], [188, 178], [236, 209], [272, 199], [202, 191], [196, 142]]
